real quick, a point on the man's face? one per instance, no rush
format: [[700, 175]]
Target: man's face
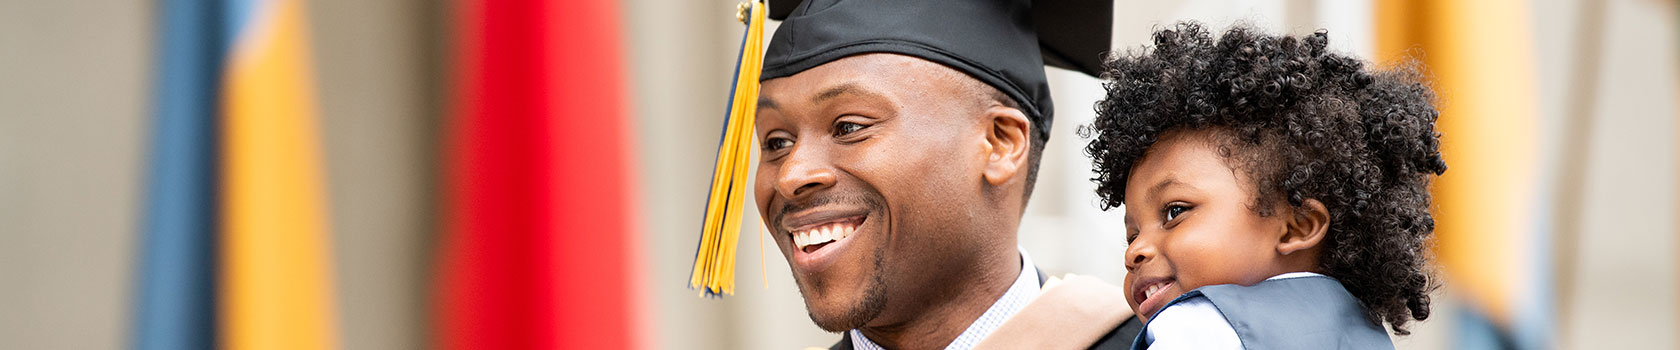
[[869, 176], [1191, 222]]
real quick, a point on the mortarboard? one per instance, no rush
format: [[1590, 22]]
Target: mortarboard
[[1003, 43]]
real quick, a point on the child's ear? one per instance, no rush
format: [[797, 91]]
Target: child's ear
[[1007, 143], [1306, 228]]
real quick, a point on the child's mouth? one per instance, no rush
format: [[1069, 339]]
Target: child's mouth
[[1154, 289], [1152, 296]]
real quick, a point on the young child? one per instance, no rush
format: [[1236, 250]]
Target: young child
[[1275, 195]]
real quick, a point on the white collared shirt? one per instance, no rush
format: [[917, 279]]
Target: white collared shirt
[[1194, 323], [1019, 294]]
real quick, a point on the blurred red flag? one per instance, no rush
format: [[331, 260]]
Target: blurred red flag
[[537, 221]]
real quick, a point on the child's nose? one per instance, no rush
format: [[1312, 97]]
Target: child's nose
[[1137, 253]]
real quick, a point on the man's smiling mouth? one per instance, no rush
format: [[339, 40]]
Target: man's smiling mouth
[[811, 238], [819, 232]]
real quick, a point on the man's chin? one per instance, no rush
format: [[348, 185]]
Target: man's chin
[[843, 301], [840, 313], [850, 314]]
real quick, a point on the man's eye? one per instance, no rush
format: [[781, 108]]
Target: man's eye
[[777, 144], [1174, 210], [846, 128]]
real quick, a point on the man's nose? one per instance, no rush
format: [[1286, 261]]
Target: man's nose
[[805, 171]]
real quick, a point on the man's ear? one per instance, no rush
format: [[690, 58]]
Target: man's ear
[[1007, 143], [1306, 228]]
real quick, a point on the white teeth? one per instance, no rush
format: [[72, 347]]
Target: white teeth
[[1153, 289], [827, 235], [823, 234]]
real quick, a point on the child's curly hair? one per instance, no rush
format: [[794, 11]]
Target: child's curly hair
[[1304, 124]]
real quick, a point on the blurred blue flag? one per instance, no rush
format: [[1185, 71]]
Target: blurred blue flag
[[175, 295]]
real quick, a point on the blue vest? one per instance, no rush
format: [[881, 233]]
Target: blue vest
[[1312, 312]]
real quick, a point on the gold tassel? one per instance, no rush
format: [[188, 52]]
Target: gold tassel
[[714, 264]]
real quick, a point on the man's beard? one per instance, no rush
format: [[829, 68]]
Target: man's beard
[[874, 301]]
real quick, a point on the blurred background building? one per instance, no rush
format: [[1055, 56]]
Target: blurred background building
[[1560, 214]]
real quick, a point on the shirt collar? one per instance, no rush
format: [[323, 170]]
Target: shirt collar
[[1293, 275], [1019, 294]]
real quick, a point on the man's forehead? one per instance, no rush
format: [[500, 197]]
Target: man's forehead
[[867, 74], [822, 93]]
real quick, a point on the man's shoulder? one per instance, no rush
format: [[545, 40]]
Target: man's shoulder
[[1121, 337]]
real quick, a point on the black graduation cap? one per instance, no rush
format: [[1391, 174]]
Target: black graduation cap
[[994, 41], [990, 40]]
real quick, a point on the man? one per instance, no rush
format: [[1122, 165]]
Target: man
[[900, 142]]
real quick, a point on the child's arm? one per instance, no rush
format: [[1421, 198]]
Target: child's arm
[[1192, 323]]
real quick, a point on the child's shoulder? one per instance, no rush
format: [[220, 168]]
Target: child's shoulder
[[1284, 299], [1291, 311], [1294, 288], [1190, 321]]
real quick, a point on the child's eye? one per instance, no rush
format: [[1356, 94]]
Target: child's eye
[[1174, 210]]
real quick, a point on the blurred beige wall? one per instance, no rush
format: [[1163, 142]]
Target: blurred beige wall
[[74, 97], [377, 63], [1627, 287]]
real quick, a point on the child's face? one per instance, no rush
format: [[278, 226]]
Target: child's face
[[1191, 223]]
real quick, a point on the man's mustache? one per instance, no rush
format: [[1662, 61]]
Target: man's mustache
[[873, 203]]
